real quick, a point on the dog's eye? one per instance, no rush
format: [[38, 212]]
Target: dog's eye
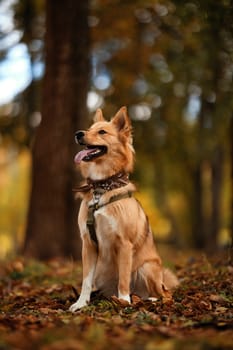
[[101, 132]]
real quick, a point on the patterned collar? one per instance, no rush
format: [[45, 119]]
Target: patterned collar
[[115, 181]]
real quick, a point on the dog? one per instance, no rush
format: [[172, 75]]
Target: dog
[[118, 253]]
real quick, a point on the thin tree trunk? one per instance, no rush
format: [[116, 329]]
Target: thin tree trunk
[[175, 234], [198, 227], [198, 222], [215, 218], [231, 220], [52, 229]]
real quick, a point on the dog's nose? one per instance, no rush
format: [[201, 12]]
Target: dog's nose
[[79, 136]]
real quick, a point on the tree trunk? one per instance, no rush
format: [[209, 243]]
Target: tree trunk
[[198, 225], [217, 178], [198, 216], [231, 219], [52, 228]]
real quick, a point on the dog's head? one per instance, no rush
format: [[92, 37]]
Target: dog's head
[[107, 145]]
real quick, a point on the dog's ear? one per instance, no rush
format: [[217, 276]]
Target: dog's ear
[[122, 121], [98, 117]]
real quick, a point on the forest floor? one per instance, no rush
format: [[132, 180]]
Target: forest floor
[[35, 298]]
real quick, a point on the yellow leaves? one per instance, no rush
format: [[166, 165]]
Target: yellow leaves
[[160, 225], [14, 189], [6, 244]]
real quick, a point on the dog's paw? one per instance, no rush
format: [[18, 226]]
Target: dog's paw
[[78, 305], [153, 299], [124, 297], [121, 302]]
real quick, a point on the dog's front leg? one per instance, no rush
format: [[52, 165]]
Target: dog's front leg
[[125, 255], [89, 258]]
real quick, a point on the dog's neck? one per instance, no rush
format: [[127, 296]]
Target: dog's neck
[[111, 183], [115, 181]]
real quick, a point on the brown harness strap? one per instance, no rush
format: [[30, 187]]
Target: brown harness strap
[[92, 208]]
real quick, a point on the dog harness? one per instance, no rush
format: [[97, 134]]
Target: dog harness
[[99, 188], [93, 207]]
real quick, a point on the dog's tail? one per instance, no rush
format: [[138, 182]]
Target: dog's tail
[[169, 278]]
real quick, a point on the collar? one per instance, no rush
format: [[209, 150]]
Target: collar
[[115, 181]]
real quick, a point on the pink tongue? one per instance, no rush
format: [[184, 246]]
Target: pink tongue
[[80, 155]]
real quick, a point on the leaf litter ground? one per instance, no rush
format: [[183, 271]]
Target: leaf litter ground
[[35, 298]]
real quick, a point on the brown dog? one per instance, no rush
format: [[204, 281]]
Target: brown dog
[[118, 252]]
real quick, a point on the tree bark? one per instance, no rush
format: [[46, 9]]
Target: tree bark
[[198, 215], [198, 225], [231, 219], [51, 227], [217, 179]]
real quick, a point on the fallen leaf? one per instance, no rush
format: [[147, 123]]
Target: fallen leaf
[[216, 298], [119, 301]]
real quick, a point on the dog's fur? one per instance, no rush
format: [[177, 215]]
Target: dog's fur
[[126, 260]]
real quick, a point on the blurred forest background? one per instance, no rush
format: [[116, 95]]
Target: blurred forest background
[[169, 61]]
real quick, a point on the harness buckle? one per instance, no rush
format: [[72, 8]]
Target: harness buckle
[[95, 206]]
